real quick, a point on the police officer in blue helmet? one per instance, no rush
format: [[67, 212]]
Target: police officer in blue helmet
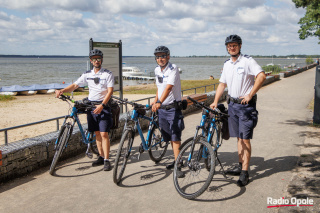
[[100, 83], [239, 73], [167, 102]]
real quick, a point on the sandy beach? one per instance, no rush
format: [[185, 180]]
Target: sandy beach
[[33, 108]]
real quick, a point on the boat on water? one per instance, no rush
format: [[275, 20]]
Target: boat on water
[[131, 71]]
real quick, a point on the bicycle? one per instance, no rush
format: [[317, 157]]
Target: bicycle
[[61, 142], [153, 143], [198, 154]]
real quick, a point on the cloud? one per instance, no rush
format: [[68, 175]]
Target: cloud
[[261, 15], [191, 27]]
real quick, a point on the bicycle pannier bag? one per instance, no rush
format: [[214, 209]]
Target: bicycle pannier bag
[[115, 110]]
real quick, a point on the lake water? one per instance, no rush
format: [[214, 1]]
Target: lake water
[[27, 71]]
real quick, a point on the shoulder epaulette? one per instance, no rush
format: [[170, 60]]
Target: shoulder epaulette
[[107, 71], [247, 56], [171, 67], [227, 60], [87, 71]]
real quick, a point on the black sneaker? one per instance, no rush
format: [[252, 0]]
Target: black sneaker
[[236, 170], [98, 162], [107, 166], [170, 166], [243, 179]]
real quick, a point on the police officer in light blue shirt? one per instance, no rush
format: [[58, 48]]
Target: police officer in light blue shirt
[[167, 102], [238, 74], [100, 83]]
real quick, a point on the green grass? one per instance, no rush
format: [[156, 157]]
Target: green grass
[[4, 98]]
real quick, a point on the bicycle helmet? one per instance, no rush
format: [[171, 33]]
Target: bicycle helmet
[[233, 38], [95, 52], [162, 49]]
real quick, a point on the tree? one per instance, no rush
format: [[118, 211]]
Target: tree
[[310, 23]]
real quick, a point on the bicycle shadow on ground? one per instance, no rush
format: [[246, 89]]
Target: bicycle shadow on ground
[[222, 189], [68, 168], [151, 172]]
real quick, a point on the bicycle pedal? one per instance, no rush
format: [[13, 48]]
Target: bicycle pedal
[[89, 155], [141, 149]]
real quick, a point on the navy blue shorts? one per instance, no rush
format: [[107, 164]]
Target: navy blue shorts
[[171, 124], [101, 122], [243, 119]]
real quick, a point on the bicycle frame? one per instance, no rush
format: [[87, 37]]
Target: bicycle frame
[[74, 116], [135, 118]]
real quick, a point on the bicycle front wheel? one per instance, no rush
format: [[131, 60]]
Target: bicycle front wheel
[[196, 177], [63, 138], [157, 147], [123, 154]]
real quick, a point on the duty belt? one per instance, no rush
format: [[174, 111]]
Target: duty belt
[[238, 100], [167, 107]]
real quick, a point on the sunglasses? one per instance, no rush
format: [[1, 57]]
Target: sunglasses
[[161, 56], [96, 59]]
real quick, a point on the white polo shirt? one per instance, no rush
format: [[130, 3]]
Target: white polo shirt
[[97, 91], [239, 75], [170, 75]]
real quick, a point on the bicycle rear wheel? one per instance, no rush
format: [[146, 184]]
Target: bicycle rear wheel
[[63, 138], [157, 147], [123, 154], [197, 178]]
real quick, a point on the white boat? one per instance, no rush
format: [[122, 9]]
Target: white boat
[[131, 71], [8, 93]]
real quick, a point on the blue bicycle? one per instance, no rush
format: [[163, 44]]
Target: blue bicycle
[[198, 154], [61, 143], [153, 143]]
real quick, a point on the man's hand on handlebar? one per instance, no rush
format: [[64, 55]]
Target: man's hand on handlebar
[[58, 93], [214, 105]]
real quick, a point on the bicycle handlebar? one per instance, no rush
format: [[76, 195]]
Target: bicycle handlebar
[[201, 105], [78, 104], [136, 105]]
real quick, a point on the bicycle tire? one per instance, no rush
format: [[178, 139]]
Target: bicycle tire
[[197, 178], [157, 147], [216, 138], [122, 156], [64, 136]]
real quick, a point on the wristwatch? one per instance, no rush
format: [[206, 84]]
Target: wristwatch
[[104, 106], [158, 101]]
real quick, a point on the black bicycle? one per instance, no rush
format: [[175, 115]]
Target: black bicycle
[[199, 154]]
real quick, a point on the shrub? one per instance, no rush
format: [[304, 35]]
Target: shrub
[[309, 60]]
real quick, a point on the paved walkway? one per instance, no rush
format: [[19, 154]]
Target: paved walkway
[[78, 187]]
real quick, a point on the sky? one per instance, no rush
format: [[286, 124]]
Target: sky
[[186, 27]]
